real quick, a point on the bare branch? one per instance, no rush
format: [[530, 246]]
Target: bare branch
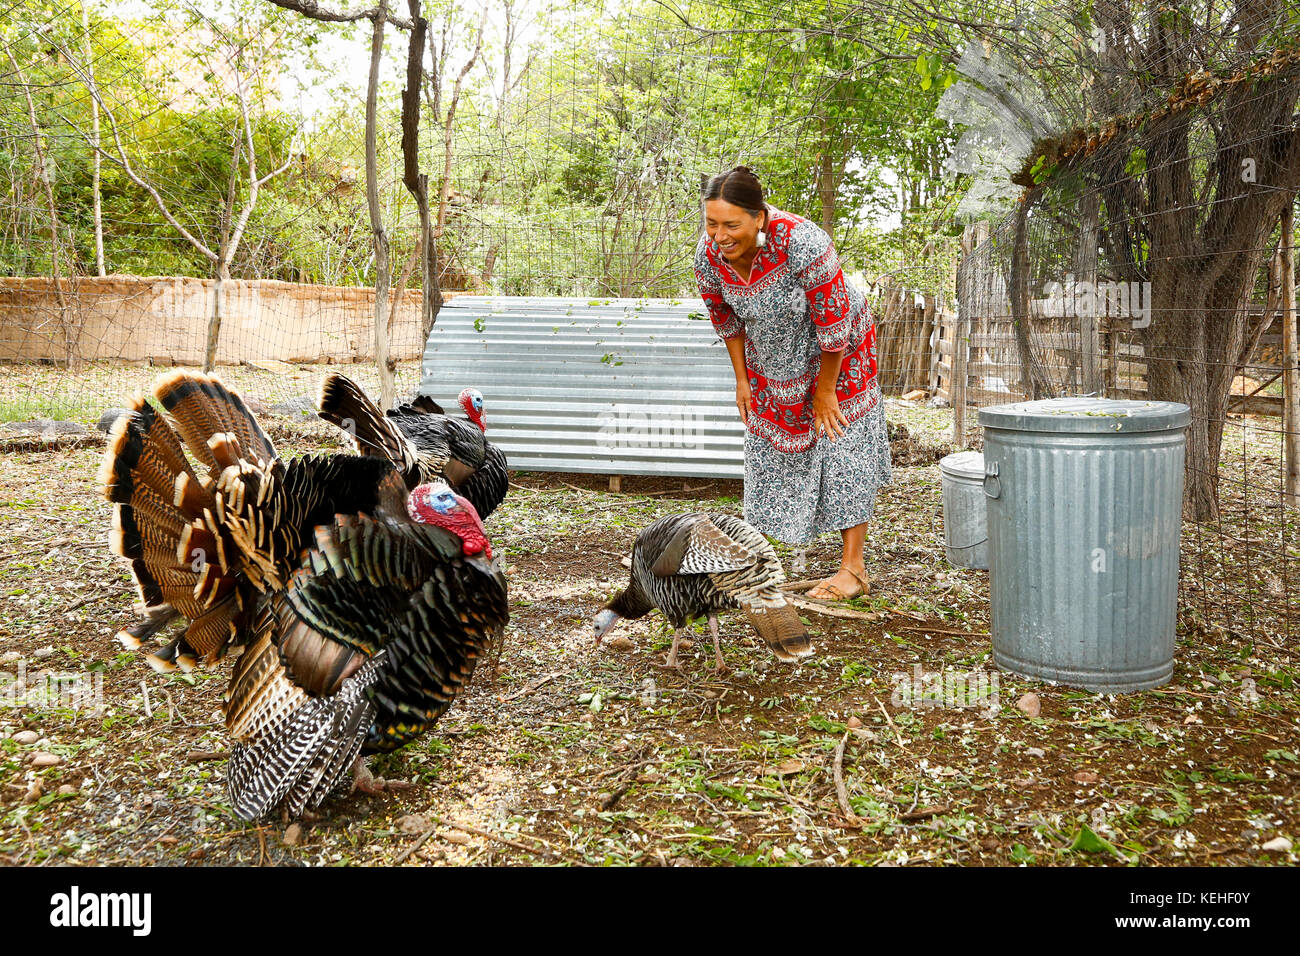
[[121, 158], [314, 11]]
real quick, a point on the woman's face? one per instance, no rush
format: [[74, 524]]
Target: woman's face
[[734, 229]]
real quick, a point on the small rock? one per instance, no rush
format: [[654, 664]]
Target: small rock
[[620, 644], [853, 723], [710, 695], [301, 407], [787, 767], [292, 835], [67, 790], [26, 737], [1030, 705], [456, 837], [8, 657], [106, 420], [34, 793], [169, 840], [1085, 776], [1277, 845], [431, 853], [257, 406], [43, 653], [43, 759], [990, 843], [413, 823], [198, 854], [1034, 752]]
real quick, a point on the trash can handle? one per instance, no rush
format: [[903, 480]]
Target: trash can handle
[[992, 483]]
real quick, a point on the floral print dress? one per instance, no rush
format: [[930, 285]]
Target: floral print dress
[[796, 305]]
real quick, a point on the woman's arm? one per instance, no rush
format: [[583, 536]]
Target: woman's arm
[[744, 396]]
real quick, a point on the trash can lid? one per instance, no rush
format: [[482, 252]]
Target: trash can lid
[[1087, 415], [963, 464]]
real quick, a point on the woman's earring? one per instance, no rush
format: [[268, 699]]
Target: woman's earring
[[762, 238]]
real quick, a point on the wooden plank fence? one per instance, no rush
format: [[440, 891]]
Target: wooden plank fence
[[926, 349]]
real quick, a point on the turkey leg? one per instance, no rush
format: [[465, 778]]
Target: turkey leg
[[720, 667]]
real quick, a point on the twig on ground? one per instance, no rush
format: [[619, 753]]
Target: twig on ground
[[196, 756], [898, 736], [675, 491], [841, 791], [109, 592], [533, 685]]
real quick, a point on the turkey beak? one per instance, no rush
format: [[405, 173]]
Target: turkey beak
[[604, 621]]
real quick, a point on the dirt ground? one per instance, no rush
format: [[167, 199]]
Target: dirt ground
[[571, 755]]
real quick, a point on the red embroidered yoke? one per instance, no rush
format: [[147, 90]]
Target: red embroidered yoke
[[795, 305]]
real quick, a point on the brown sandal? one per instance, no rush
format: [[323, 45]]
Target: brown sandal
[[837, 594]]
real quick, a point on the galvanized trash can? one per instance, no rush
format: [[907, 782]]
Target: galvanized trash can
[[965, 528], [1084, 515]]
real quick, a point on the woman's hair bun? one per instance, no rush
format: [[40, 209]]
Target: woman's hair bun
[[738, 186]]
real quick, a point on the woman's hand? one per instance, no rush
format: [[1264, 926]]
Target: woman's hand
[[827, 418], [744, 400]]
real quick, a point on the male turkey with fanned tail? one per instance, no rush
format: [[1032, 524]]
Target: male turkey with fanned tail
[[422, 442], [698, 564], [358, 609]]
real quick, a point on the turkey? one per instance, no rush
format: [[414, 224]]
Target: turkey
[[422, 442], [358, 609], [699, 564]]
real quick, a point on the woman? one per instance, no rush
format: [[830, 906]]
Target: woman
[[803, 347]]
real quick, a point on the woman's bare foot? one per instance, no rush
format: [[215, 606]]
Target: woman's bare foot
[[844, 584]]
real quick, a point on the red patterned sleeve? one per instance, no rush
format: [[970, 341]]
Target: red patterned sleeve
[[817, 269], [725, 321]]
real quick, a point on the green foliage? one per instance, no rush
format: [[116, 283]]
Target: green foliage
[[578, 177]]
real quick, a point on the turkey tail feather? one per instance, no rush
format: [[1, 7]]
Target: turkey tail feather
[[343, 403], [161, 510], [202, 408], [781, 630]]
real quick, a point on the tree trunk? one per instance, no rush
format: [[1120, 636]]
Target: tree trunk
[[826, 191], [416, 182], [1290, 356], [384, 364], [218, 312], [70, 336], [1034, 382], [94, 139]]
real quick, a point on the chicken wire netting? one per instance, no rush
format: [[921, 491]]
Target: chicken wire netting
[[1121, 168], [564, 146], [1149, 255]]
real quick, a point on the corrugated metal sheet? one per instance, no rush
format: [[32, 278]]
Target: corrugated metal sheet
[[610, 386]]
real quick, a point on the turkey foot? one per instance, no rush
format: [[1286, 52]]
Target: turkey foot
[[671, 663], [367, 782]]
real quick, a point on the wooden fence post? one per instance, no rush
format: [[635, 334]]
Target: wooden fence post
[[957, 382]]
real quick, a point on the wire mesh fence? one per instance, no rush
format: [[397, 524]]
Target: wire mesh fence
[[184, 182]]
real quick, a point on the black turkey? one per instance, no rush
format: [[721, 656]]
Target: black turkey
[[358, 609], [698, 564], [422, 442]]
